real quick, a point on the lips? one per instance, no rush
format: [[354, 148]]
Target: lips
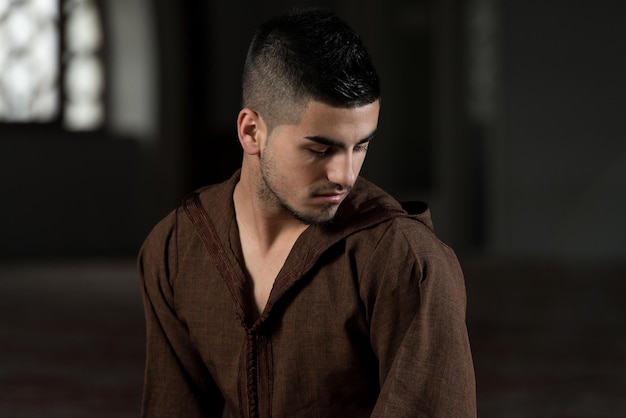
[[333, 197]]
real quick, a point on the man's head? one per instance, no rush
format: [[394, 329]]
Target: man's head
[[310, 108], [303, 56]]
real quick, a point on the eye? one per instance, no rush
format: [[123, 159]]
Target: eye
[[319, 153], [361, 148]]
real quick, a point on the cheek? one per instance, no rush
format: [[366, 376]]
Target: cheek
[[357, 162], [359, 158], [305, 175], [292, 173]]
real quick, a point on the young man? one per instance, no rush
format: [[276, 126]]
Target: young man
[[296, 288]]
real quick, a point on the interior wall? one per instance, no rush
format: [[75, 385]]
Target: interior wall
[[65, 195], [73, 194], [562, 166], [544, 178], [174, 95], [526, 157]]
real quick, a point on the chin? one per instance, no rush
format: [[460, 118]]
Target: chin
[[320, 218]]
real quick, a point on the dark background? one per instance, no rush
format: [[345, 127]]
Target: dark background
[[506, 116]]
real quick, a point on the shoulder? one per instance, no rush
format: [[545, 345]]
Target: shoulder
[[403, 238], [416, 235], [380, 224], [159, 247], [163, 231], [215, 201], [402, 254]]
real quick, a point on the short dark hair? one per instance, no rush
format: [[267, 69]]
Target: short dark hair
[[305, 55]]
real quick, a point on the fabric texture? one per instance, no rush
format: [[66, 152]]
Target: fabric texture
[[366, 317]]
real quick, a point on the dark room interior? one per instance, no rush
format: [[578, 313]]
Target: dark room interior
[[505, 116]]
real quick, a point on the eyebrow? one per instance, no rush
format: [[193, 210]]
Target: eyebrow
[[335, 143]]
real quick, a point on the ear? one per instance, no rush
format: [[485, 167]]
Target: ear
[[251, 130]]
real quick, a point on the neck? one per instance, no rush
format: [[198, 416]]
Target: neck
[[268, 225]]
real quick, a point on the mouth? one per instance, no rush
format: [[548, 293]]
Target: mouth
[[335, 197]]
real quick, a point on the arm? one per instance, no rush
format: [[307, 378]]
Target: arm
[[177, 383], [418, 329]]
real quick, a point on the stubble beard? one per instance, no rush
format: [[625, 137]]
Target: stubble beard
[[267, 193]]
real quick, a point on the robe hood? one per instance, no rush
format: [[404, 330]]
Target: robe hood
[[367, 201]]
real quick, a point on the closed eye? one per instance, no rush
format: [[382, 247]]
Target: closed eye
[[319, 153], [361, 148], [330, 144], [326, 152]]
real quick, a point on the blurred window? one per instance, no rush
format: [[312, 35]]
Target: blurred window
[[51, 66]]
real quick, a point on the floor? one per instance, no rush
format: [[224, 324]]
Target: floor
[[71, 340], [549, 339]]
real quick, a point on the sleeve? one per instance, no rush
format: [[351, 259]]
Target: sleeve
[[418, 329], [176, 382]]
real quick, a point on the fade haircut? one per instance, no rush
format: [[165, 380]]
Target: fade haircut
[[306, 55]]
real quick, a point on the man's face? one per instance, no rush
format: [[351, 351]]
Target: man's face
[[308, 168]]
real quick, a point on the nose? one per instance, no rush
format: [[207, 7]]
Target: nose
[[342, 170]]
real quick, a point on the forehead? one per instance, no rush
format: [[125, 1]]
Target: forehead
[[342, 123]]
